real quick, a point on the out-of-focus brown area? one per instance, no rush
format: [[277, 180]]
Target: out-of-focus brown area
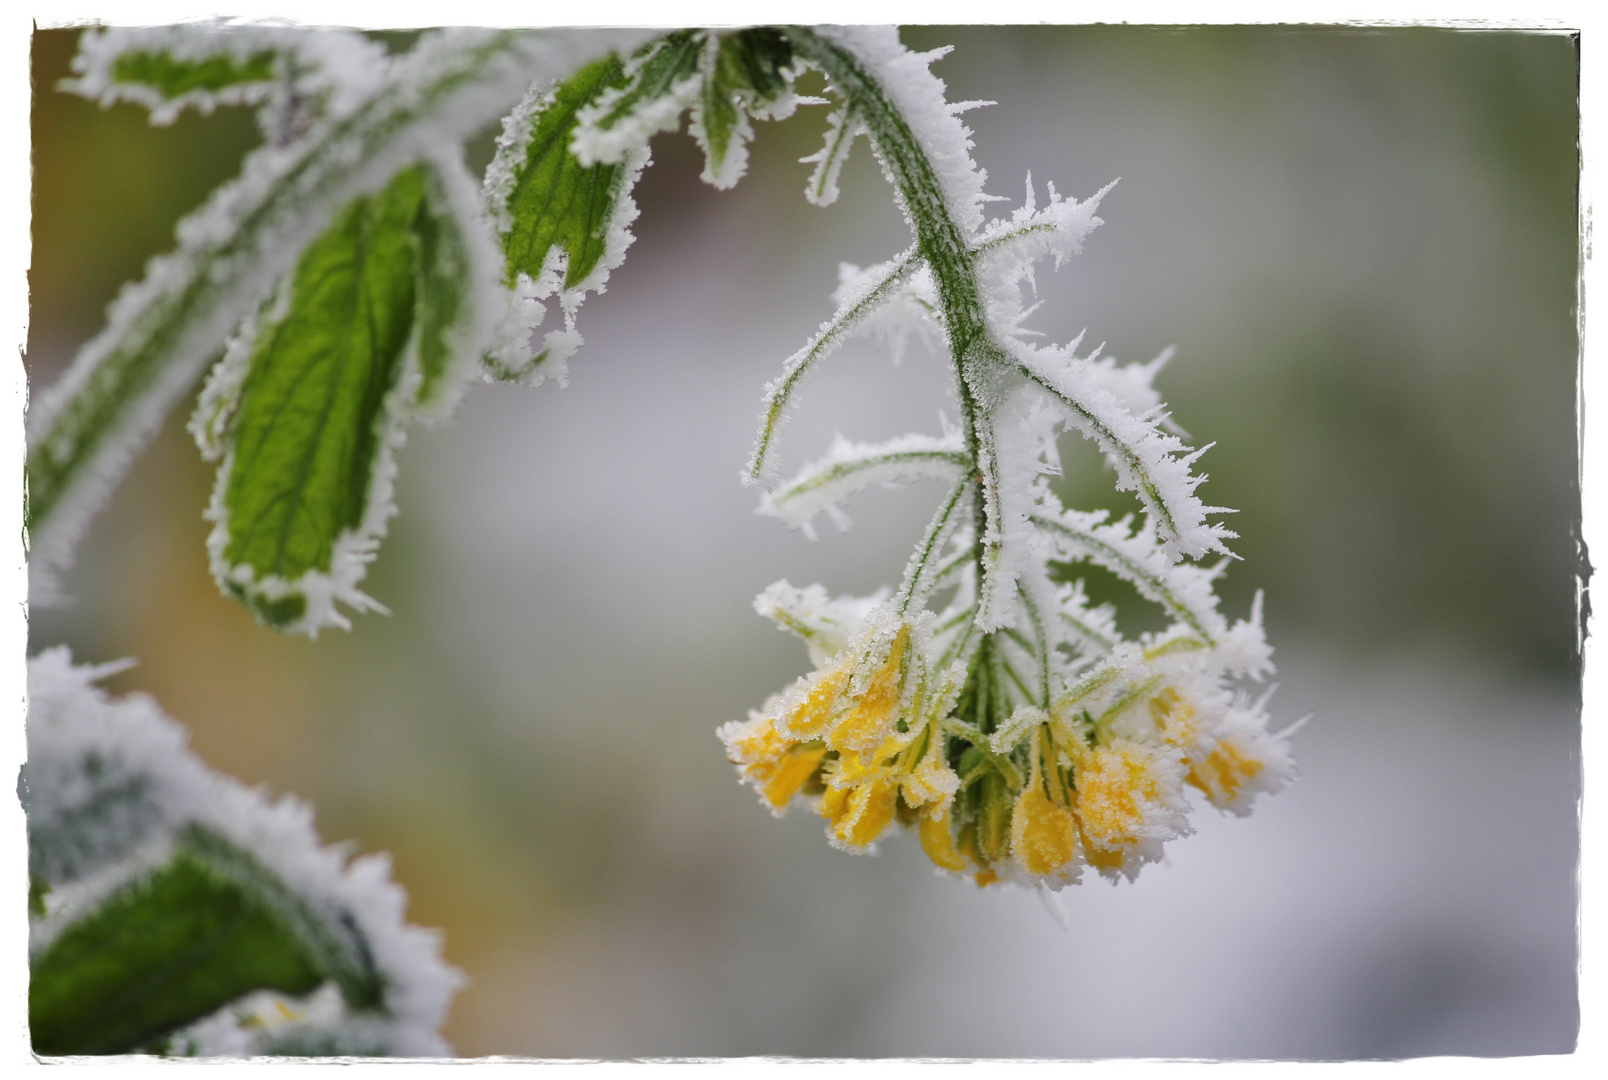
[[1364, 245]]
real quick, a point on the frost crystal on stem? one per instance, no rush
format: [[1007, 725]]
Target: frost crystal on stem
[[1017, 731]]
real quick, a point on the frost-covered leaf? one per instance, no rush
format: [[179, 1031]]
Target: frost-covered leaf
[[871, 289], [307, 409], [295, 74], [563, 225], [842, 127], [746, 73], [661, 80], [172, 77], [1139, 558], [164, 331], [850, 468], [174, 902], [173, 946], [545, 198]]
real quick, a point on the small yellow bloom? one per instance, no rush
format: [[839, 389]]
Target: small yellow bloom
[[777, 766], [857, 816], [1120, 787], [1044, 839], [870, 720], [938, 841], [809, 718], [1224, 772]]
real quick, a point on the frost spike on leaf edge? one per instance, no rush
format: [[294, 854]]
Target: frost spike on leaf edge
[[568, 253]]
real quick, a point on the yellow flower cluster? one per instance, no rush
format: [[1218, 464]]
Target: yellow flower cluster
[[873, 738], [862, 733]]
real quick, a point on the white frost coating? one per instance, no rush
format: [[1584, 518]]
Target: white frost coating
[[512, 355], [908, 311], [458, 198], [1023, 434], [849, 468], [1009, 247], [451, 83], [827, 624], [593, 144], [220, 394], [1150, 462], [919, 96], [85, 749], [1137, 557], [724, 171], [1090, 631], [842, 128], [859, 301], [720, 171], [332, 70], [450, 191]]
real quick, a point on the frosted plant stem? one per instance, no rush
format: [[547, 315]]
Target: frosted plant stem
[[939, 240], [919, 575], [85, 430], [1150, 584], [831, 335]]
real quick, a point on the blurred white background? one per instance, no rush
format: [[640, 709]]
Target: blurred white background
[[1363, 245]]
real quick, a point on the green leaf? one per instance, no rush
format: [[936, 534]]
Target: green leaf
[[180, 943], [164, 332], [442, 287], [172, 77], [743, 73], [659, 67], [311, 427], [556, 201], [757, 60]]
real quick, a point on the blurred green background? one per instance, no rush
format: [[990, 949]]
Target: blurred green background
[[1363, 244]]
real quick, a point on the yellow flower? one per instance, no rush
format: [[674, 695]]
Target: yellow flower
[[777, 766], [876, 712], [861, 719], [938, 840], [1225, 772], [1044, 838], [809, 717], [1232, 760], [859, 803], [1127, 801]]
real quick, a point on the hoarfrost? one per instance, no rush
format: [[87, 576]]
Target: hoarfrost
[[110, 787]]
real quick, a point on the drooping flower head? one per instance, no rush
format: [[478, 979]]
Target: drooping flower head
[[986, 704]]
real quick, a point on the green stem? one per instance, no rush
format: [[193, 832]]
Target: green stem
[[940, 242]]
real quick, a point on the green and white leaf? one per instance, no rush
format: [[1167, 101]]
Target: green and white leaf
[[661, 79], [843, 126], [163, 332], [849, 468], [563, 225], [745, 73], [177, 912], [376, 325], [858, 301], [167, 69]]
